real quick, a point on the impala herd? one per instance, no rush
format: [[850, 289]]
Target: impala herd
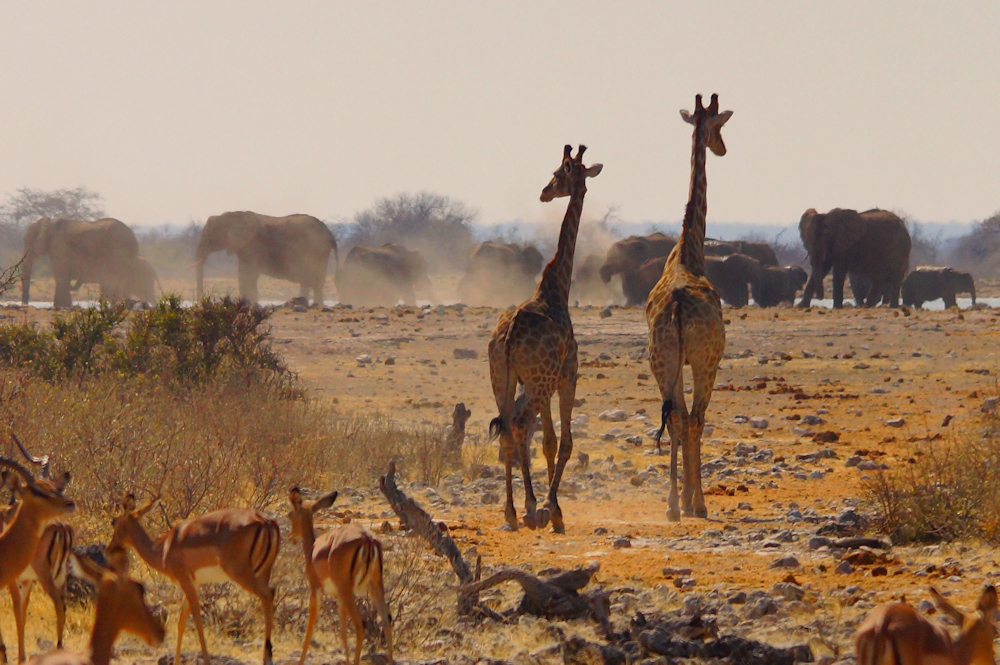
[[231, 545]]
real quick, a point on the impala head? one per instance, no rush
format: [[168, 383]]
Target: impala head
[[43, 497], [571, 170], [975, 640], [301, 514], [708, 123], [126, 523], [121, 601]]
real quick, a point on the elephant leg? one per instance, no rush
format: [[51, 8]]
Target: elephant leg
[[839, 275], [63, 297], [892, 293], [949, 299], [875, 293], [248, 275], [318, 290]]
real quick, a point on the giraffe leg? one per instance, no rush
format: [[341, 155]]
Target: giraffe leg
[[676, 431], [521, 428], [702, 391], [510, 515], [567, 396], [549, 441]]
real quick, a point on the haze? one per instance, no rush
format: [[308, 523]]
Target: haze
[[176, 111]]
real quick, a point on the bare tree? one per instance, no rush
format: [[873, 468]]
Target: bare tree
[[26, 205], [435, 225]]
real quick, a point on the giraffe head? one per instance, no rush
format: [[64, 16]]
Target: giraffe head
[[708, 123], [569, 172]]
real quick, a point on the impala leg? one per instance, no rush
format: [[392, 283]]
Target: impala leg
[[258, 586], [350, 607], [59, 601], [378, 597], [342, 611], [187, 586], [20, 610], [311, 623], [182, 621], [3, 650]]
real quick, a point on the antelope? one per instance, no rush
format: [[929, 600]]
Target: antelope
[[894, 634], [343, 560], [121, 606], [50, 565], [230, 545], [41, 501]]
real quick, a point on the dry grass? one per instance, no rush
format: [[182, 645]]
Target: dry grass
[[947, 490]]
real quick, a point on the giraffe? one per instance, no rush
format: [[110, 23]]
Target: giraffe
[[684, 314], [533, 345]]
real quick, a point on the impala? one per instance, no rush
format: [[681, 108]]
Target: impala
[[121, 606], [50, 565], [895, 634], [231, 545], [343, 560], [41, 501]]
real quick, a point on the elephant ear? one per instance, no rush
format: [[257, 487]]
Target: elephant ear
[[850, 229], [807, 227]]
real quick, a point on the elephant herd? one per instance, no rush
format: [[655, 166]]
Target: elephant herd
[[870, 248]]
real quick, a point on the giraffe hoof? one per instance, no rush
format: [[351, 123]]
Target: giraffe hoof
[[673, 515], [701, 513], [542, 517], [529, 521]]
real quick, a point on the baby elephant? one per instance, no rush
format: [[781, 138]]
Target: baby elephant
[[927, 283], [778, 285]]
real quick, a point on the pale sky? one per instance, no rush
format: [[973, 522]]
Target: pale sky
[[178, 110]]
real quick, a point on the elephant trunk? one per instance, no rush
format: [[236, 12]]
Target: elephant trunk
[[606, 273], [972, 291], [199, 271]]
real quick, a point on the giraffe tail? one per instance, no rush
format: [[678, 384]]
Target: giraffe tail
[[501, 424], [667, 409]]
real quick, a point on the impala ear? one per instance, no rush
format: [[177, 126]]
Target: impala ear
[[987, 603], [325, 502], [128, 503], [295, 497], [63, 482], [117, 561], [946, 607], [152, 503]]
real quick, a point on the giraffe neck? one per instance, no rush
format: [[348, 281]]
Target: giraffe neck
[[558, 274], [692, 239]]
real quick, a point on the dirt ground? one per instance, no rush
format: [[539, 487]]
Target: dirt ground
[[862, 388]]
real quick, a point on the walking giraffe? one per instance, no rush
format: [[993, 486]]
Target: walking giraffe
[[533, 345], [684, 314]]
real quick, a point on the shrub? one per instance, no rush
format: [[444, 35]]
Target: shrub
[[947, 491]]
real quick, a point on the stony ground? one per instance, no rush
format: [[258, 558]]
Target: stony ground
[[809, 405]]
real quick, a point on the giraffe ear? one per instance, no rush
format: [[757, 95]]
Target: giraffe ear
[[594, 170], [687, 117], [721, 119]]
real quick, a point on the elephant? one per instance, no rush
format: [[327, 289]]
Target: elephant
[[761, 251], [778, 285], [587, 285], [103, 252], [926, 283], [874, 244], [627, 256], [296, 248], [718, 247], [731, 275], [499, 275], [139, 284], [382, 276]]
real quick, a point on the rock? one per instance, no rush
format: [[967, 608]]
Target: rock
[[391, 360], [879, 390], [685, 582], [844, 568], [785, 562], [465, 354], [788, 591], [490, 498], [849, 516], [671, 571], [826, 437], [853, 460], [825, 453], [364, 359], [613, 416], [737, 598], [744, 505], [816, 475], [759, 607], [600, 531], [636, 440], [869, 465], [925, 606], [758, 422], [692, 604], [812, 420], [817, 542], [743, 449], [740, 419], [606, 312], [637, 480], [879, 571], [622, 542], [895, 422], [989, 404]]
